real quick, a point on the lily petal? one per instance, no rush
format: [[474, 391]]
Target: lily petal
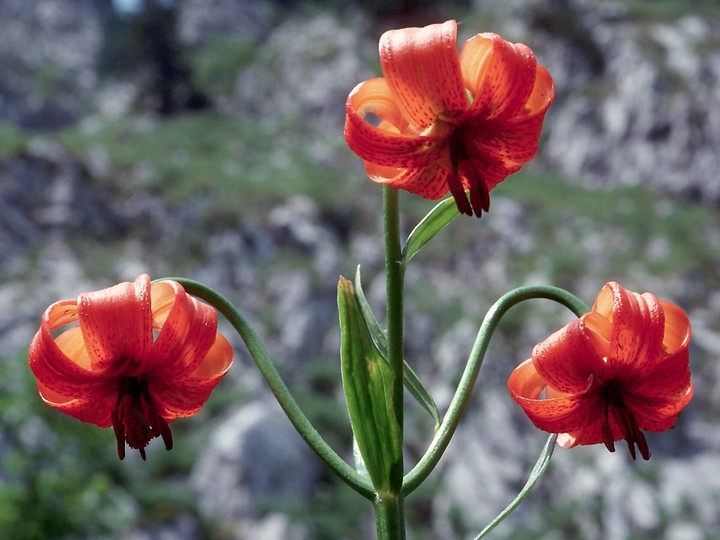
[[677, 328], [567, 359], [667, 381], [95, 406], [391, 143], [422, 68], [430, 182], [116, 324], [61, 364], [186, 397], [500, 75], [188, 332], [661, 414], [638, 325]]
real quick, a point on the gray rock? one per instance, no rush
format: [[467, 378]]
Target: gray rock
[[255, 460], [47, 57], [203, 19]]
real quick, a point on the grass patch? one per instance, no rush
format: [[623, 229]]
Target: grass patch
[[669, 10], [235, 165], [12, 140], [637, 215]]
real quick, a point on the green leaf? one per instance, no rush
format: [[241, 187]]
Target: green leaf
[[436, 220], [411, 381], [367, 382], [541, 465]]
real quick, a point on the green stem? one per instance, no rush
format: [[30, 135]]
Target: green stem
[[394, 273], [278, 387], [394, 269], [389, 519], [462, 395]]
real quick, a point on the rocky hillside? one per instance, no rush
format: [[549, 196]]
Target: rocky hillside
[[259, 197]]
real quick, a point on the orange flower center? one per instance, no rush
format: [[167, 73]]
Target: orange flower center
[[135, 420], [615, 407]]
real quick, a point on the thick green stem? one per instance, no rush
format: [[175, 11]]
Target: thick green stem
[[457, 406], [389, 519], [394, 271], [278, 387]]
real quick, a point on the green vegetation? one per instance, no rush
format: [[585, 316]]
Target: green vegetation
[[12, 140], [236, 165], [668, 10], [635, 223]]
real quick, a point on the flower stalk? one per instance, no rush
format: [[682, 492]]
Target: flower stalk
[[462, 394], [279, 389]]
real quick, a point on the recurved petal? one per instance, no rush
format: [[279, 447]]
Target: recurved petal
[[576, 418], [116, 324], [430, 182], [485, 167], [497, 150], [567, 359], [669, 380], [677, 328], [61, 363], [542, 95], [423, 72], [390, 142], [182, 399], [590, 431], [658, 414], [185, 397], [638, 327], [501, 76], [217, 361], [94, 404], [566, 414], [188, 332], [514, 143], [525, 382]]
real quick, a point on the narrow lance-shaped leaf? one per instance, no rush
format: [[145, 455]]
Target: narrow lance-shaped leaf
[[367, 382], [435, 221], [541, 465], [412, 382]]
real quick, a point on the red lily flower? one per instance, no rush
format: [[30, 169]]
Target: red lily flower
[[134, 356], [448, 122], [619, 369]]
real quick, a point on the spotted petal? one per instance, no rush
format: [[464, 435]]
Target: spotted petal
[[568, 359], [560, 414], [422, 68], [93, 403], [638, 325], [430, 182], [391, 142], [185, 397], [116, 324], [187, 333], [500, 75]]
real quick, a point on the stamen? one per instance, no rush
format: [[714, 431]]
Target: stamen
[[458, 192], [479, 193], [607, 435], [135, 420], [615, 406], [457, 155]]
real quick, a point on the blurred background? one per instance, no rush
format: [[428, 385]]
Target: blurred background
[[203, 138]]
